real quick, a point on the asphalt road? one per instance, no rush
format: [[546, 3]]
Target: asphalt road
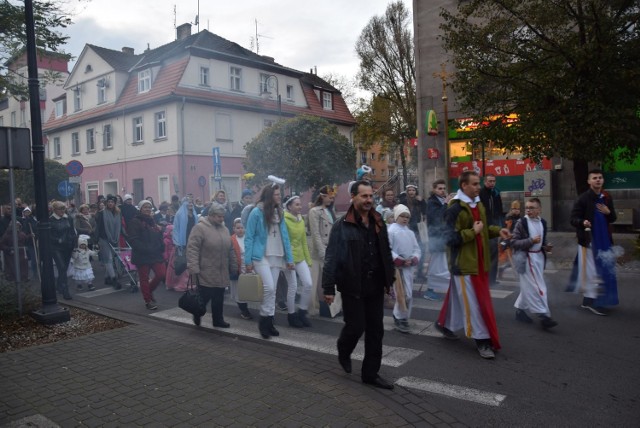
[[583, 373]]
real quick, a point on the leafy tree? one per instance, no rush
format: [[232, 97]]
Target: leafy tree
[[48, 18], [55, 173], [570, 70], [387, 69], [306, 150]]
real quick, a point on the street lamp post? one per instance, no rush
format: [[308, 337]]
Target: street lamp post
[[267, 93]]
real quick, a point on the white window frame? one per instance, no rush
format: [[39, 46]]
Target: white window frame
[[91, 186], [102, 91], [327, 100], [57, 148], [235, 78], [77, 99], [107, 138], [263, 85], [161, 125], [290, 92], [91, 141], [75, 143], [14, 119], [205, 76], [164, 188], [373, 156], [224, 127], [138, 130], [144, 81], [60, 108]]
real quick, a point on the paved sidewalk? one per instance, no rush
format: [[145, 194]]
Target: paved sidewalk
[[156, 373]]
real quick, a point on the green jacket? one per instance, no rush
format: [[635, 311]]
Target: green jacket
[[298, 238], [462, 248]]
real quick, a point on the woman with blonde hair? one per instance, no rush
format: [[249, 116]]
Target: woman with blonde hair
[[62, 240]]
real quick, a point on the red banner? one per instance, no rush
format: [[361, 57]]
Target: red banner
[[499, 168]]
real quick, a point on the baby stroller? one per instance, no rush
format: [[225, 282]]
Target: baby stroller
[[123, 266]]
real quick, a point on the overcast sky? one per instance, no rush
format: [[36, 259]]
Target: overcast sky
[[299, 34]]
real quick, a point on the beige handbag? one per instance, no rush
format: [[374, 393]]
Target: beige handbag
[[250, 288]]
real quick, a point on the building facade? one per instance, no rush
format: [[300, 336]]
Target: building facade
[[147, 123]]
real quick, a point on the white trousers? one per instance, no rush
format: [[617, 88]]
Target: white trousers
[[269, 275], [588, 280], [304, 273], [438, 275], [464, 310]]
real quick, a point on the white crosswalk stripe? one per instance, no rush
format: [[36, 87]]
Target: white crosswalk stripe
[[392, 356], [454, 391]]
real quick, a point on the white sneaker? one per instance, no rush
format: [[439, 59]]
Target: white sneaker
[[486, 352]]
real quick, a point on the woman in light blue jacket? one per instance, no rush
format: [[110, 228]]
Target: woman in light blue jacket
[[267, 251]]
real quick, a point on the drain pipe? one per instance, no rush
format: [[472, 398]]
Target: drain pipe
[[183, 174]]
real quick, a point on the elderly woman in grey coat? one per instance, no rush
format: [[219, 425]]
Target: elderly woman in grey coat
[[210, 258]]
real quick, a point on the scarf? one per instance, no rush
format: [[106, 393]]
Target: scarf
[[605, 261], [180, 223], [112, 224]]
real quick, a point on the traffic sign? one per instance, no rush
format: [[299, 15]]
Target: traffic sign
[[202, 181], [66, 189], [75, 179], [217, 168], [74, 168]]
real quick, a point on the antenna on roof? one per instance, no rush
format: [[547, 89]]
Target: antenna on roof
[[174, 16], [257, 39]]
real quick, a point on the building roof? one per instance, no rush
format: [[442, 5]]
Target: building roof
[[174, 58]]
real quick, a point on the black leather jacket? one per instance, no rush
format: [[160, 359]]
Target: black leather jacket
[[344, 254]]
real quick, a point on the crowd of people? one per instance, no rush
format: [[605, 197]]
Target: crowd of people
[[338, 264]]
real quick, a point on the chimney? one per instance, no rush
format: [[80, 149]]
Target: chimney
[[183, 31], [127, 50]]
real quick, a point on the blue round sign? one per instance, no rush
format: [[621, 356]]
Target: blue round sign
[[74, 168], [65, 189], [202, 181]]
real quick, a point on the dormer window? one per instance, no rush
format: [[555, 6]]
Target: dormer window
[[327, 101], [144, 81], [102, 91], [77, 98], [61, 107]]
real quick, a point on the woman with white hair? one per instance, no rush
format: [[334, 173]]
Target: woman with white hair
[[267, 250], [145, 238]]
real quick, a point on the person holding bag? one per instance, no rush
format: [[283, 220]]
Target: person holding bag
[[184, 221], [210, 259]]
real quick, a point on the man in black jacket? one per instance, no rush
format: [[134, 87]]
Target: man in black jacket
[[358, 260], [492, 201]]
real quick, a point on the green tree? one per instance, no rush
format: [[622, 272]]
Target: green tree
[[49, 17], [570, 70], [387, 69], [55, 173], [306, 150]]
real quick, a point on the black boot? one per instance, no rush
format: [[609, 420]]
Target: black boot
[[217, 304], [272, 328], [302, 316], [263, 326], [245, 314], [294, 321], [65, 292]]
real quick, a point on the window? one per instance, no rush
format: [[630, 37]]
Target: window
[[264, 83], [91, 141], [223, 127], [204, 76], [373, 156], [144, 80], [75, 144], [57, 149], [106, 137], [382, 172], [23, 118], [382, 156], [13, 119], [137, 130], [161, 125], [61, 108], [363, 157], [327, 101], [102, 91], [77, 99], [373, 171], [235, 76], [268, 123], [290, 92]]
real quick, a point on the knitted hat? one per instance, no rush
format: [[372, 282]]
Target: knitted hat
[[144, 202], [127, 197], [111, 197], [217, 208], [247, 192], [400, 209], [83, 239]]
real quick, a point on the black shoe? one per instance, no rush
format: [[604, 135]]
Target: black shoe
[[294, 321], [221, 324], [246, 315], [547, 323], [302, 315], [107, 281], [272, 328], [79, 287], [91, 287], [263, 327], [448, 334], [589, 303], [116, 284], [345, 362], [197, 319], [281, 306], [378, 382], [523, 317]]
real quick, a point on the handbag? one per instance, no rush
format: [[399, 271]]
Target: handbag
[[180, 261], [191, 301], [250, 288]]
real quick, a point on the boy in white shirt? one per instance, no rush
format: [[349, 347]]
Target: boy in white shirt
[[406, 252]]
